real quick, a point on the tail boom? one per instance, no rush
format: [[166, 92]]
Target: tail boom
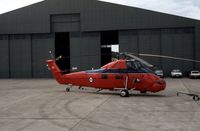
[[55, 71]]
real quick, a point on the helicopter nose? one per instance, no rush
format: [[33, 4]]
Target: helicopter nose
[[159, 85], [162, 84]]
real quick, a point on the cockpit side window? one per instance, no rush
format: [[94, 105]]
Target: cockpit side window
[[129, 64], [137, 64], [134, 65], [137, 67]]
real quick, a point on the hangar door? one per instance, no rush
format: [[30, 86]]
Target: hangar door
[[20, 56], [145, 41], [178, 43], [149, 43], [128, 41], [41, 45], [4, 68]]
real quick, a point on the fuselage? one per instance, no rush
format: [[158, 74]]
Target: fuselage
[[115, 75], [136, 81]]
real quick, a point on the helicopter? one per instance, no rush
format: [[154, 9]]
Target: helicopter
[[124, 74]]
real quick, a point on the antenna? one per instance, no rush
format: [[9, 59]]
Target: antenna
[[51, 54], [59, 57]]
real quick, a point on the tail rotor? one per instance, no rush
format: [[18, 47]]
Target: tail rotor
[[52, 56]]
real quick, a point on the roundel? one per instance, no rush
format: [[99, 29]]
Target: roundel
[[91, 80]]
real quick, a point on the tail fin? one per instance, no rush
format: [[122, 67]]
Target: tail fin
[[55, 71]]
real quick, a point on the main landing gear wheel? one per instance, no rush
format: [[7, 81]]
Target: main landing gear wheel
[[67, 89], [143, 92], [124, 93], [196, 98]]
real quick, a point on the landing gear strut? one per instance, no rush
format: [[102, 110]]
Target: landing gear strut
[[68, 88], [124, 92]]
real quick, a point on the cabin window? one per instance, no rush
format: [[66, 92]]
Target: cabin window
[[104, 76]]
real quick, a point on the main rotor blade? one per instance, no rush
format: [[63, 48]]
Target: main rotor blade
[[169, 57]]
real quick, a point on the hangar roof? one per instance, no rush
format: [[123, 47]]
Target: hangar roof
[[94, 16]]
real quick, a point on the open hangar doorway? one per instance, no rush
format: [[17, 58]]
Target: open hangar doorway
[[62, 48], [109, 45]]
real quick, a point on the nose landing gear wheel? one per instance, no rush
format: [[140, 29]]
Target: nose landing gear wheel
[[124, 93], [143, 92], [67, 89]]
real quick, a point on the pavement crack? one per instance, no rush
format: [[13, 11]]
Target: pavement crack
[[90, 113]]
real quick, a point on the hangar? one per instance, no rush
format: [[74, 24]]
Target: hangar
[[83, 31]]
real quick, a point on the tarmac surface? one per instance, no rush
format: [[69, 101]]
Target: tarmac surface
[[43, 105]]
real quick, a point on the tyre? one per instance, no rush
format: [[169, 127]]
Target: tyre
[[124, 93], [196, 98], [67, 89], [143, 92]]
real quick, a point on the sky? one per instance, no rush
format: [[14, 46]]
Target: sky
[[8, 5], [185, 8]]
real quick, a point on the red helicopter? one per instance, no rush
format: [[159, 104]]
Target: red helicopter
[[122, 74]]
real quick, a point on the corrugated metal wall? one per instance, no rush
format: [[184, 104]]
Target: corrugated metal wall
[[65, 22], [85, 50], [128, 41], [150, 43], [153, 33], [23, 56], [177, 42], [41, 45], [197, 45], [20, 56], [4, 57]]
